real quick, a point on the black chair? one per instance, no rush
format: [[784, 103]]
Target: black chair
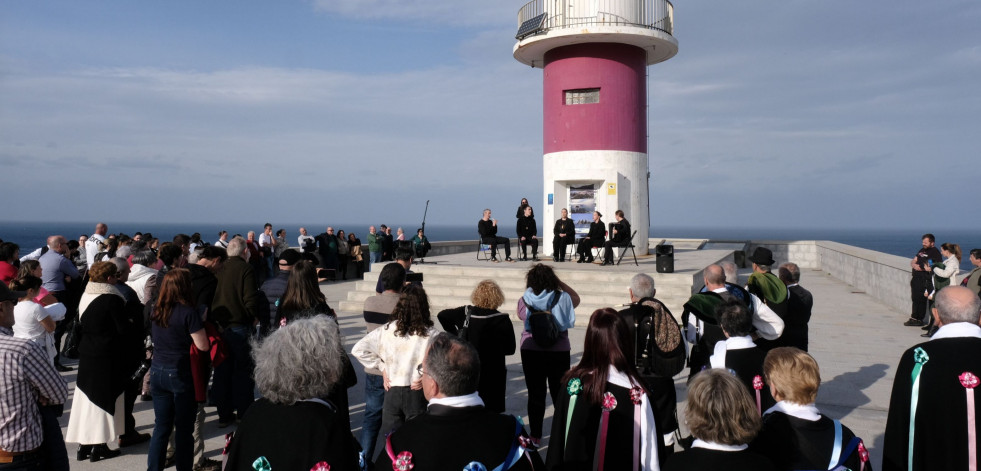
[[628, 244]]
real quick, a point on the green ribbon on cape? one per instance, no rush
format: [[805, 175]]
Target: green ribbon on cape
[[921, 357]]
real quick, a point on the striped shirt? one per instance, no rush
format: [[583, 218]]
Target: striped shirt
[[26, 376]]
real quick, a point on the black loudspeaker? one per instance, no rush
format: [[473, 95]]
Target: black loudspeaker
[[665, 258]]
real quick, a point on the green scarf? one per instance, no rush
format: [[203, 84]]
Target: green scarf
[[703, 305], [773, 290]]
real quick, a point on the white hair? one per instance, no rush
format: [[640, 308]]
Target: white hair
[[235, 247], [642, 285], [302, 360]]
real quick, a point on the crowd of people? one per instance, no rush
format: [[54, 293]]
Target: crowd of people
[[187, 325]]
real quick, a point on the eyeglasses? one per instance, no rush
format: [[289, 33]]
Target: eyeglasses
[[420, 371]]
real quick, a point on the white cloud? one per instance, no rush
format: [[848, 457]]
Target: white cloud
[[452, 13]]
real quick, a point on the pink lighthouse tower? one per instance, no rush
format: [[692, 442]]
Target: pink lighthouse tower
[[595, 54]]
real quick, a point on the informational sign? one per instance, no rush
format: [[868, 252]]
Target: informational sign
[[582, 203], [551, 197], [611, 188]]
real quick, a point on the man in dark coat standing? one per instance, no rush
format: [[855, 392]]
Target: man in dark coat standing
[[643, 306], [799, 307], [922, 266], [457, 430], [932, 411], [234, 311]]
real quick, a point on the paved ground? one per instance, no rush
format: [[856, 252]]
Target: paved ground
[[855, 339]]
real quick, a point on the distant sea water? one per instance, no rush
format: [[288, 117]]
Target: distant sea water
[[901, 242]]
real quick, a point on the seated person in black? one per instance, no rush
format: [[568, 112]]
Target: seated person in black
[[565, 234], [595, 238], [528, 234], [619, 236], [487, 228]]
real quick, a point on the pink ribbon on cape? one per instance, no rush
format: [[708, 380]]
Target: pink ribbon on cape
[[970, 381], [609, 403], [758, 386]]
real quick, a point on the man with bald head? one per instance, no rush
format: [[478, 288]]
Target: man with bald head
[[932, 413], [92, 244], [60, 277], [702, 325]]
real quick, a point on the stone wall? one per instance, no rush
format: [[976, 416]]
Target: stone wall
[[884, 277]]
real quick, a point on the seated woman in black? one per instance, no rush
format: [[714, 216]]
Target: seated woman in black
[[619, 235], [723, 420], [595, 238], [528, 234], [795, 434]]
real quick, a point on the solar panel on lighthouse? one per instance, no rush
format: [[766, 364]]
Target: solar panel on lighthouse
[[530, 26]]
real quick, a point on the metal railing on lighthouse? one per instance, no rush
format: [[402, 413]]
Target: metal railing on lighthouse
[[540, 16]]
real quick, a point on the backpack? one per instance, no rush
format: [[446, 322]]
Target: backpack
[[542, 324], [659, 348]]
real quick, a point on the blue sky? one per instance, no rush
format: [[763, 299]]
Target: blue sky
[[797, 113]]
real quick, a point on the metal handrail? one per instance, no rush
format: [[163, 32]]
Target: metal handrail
[[652, 14]]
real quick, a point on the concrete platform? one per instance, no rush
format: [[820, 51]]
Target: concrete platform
[[856, 340]]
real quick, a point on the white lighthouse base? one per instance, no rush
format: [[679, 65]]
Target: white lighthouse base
[[620, 179]]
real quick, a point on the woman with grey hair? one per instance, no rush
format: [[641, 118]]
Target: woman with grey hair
[[296, 425]]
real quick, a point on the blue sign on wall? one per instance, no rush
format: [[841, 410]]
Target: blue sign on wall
[[550, 198]]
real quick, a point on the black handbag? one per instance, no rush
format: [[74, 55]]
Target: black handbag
[[73, 336]]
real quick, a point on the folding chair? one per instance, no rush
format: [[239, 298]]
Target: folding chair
[[628, 245], [482, 249]]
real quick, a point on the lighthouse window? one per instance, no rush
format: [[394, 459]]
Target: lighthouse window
[[582, 96]]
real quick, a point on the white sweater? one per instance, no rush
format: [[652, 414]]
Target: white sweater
[[397, 357]]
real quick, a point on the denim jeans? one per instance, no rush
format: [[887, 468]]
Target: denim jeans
[[402, 403], [373, 257], [374, 401], [174, 407], [53, 447], [233, 387]]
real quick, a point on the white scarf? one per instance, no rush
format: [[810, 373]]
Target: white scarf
[[94, 290], [957, 329], [648, 440], [699, 443], [718, 358], [807, 412], [469, 400]]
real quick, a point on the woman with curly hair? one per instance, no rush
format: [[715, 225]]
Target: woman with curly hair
[[296, 424], [543, 364], [396, 349], [604, 418], [491, 333]]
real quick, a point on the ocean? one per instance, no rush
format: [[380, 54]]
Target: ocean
[[902, 242]]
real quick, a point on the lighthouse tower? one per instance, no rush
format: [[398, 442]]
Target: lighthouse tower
[[595, 55]]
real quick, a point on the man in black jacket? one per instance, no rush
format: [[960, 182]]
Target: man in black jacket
[[275, 287], [799, 307], [639, 316], [922, 265], [528, 234], [457, 430], [619, 236], [487, 228]]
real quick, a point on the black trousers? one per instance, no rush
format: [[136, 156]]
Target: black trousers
[[559, 245], [585, 247], [919, 284], [541, 368], [534, 247], [494, 241]]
